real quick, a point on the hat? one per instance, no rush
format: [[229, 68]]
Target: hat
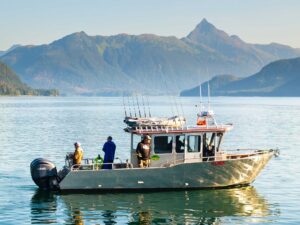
[[147, 137], [77, 144]]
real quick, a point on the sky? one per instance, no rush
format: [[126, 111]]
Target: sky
[[37, 22]]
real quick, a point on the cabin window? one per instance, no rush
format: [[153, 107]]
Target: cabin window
[[163, 144], [194, 143], [208, 140], [180, 139], [212, 141]]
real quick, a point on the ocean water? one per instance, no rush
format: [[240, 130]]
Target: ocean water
[[32, 127]]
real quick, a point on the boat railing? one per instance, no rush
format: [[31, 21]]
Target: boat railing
[[160, 128], [228, 155], [251, 151], [91, 164], [247, 150]]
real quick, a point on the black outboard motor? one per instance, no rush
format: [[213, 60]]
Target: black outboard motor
[[44, 174]]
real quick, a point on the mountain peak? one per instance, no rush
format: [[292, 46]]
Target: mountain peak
[[79, 34], [204, 30], [77, 37], [205, 26], [207, 34]]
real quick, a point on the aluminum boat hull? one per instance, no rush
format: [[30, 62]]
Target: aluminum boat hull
[[197, 175]]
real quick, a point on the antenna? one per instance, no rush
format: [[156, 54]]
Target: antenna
[[200, 95], [208, 96]]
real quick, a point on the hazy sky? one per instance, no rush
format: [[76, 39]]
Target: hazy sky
[[43, 21]]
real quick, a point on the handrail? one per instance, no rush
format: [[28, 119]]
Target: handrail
[[172, 162], [98, 166], [248, 149]]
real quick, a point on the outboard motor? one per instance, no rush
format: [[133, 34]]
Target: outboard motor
[[44, 174]]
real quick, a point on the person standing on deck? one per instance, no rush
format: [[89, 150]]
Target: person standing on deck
[[143, 150], [109, 149], [78, 154]]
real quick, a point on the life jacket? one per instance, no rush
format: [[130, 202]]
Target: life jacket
[[143, 151]]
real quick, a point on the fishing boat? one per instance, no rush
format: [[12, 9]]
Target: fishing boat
[[182, 157]]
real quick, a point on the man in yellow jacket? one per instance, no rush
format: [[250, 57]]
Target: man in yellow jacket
[[78, 154]]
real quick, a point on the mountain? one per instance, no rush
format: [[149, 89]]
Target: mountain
[[82, 64], [232, 47], [8, 50], [215, 84], [279, 78], [10, 84]]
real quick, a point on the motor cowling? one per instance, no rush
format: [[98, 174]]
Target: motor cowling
[[44, 174]]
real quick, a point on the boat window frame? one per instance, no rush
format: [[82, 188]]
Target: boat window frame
[[201, 144], [162, 135], [184, 143], [220, 139]]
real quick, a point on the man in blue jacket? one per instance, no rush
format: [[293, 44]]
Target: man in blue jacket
[[109, 149]]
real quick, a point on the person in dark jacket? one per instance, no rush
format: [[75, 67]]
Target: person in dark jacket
[[109, 149], [143, 152]]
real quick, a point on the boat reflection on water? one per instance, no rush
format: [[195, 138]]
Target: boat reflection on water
[[43, 207], [183, 207]]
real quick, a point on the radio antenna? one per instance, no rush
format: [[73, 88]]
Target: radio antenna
[[200, 95], [208, 96]]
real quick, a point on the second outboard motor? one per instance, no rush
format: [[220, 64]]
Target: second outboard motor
[[44, 174]]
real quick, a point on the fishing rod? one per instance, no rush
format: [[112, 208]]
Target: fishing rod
[[129, 106], [125, 111], [138, 105], [147, 98], [176, 105], [144, 106], [132, 98], [166, 86]]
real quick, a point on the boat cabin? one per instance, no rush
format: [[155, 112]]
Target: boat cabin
[[180, 145]]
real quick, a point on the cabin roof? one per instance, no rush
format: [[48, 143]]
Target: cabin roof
[[178, 130]]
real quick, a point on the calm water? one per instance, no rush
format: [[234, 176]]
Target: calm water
[[32, 127]]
